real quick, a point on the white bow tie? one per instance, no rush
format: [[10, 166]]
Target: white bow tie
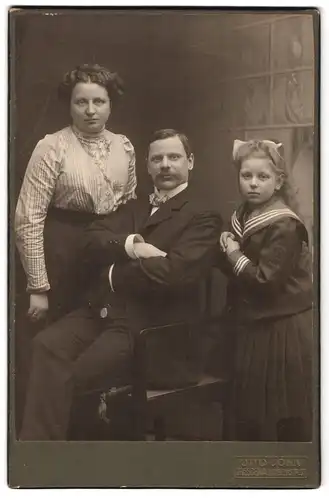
[[157, 200]]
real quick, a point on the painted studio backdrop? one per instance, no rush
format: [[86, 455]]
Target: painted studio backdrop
[[216, 76]]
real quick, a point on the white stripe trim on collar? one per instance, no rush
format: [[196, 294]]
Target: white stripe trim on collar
[[265, 216], [259, 219], [236, 224], [274, 215]]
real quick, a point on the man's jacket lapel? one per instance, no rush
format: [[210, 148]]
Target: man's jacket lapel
[[167, 210]]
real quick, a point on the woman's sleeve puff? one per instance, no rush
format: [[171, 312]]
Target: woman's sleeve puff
[[130, 189], [36, 192]]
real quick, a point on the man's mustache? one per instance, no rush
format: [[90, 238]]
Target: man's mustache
[[165, 174]]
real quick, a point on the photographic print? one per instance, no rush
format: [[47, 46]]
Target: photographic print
[[164, 248]]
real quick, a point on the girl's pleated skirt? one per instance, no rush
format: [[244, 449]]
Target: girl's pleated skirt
[[270, 397]]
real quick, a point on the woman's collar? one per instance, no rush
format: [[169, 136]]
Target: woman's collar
[[85, 135]]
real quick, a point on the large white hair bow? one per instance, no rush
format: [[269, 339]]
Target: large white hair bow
[[237, 145]]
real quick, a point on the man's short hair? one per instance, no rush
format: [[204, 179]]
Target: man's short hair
[[166, 133]]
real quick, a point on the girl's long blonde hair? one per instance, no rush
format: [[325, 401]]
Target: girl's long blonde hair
[[264, 149]]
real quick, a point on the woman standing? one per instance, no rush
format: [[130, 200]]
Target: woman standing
[[74, 175]]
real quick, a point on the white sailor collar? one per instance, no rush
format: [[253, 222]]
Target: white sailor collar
[[272, 214]]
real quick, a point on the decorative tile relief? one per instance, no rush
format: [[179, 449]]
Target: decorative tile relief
[[293, 42], [243, 103], [293, 97], [303, 176], [303, 169], [256, 101]]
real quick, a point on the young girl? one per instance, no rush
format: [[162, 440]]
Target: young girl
[[269, 303]]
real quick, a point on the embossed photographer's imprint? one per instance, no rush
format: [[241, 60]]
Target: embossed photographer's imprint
[[258, 467]]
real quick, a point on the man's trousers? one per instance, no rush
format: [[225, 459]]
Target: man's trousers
[[81, 351]]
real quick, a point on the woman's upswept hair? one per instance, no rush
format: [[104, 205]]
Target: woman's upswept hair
[[94, 73], [274, 152]]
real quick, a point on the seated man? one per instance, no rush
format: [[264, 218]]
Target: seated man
[[147, 260]]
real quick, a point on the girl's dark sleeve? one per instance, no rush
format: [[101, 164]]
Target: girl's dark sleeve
[[281, 248]]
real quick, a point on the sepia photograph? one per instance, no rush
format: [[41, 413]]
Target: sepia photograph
[[164, 247]]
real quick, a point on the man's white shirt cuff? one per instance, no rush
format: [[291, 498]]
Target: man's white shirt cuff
[[129, 244], [110, 277]]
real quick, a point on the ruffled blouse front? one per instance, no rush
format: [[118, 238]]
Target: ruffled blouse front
[[70, 171]]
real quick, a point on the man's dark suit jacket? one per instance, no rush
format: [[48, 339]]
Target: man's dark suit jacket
[[158, 290]]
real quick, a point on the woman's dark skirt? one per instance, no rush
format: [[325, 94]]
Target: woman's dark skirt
[[63, 239], [63, 235], [270, 398]]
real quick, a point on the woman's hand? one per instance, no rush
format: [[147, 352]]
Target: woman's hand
[[146, 250], [231, 246], [38, 306], [223, 239]]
